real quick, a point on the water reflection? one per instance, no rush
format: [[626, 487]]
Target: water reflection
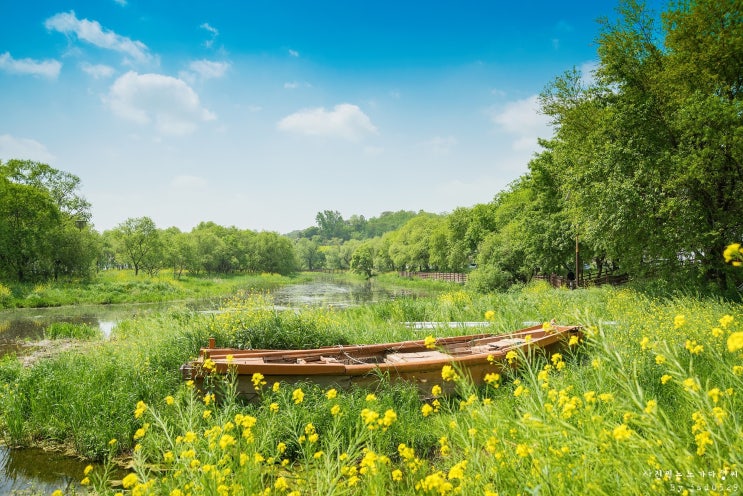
[[26, 470]]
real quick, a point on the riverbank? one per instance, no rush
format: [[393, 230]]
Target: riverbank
[[122, 286], [655, 388]]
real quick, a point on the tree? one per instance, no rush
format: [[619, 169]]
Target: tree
[[309, 254], [651, 153], [44, 222], [274, 253], [27, 214], [332, 225], [362, 260], [139, 243]]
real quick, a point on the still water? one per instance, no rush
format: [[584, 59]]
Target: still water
[[27, 470]]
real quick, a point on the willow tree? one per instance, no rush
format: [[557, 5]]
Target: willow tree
[[649, 155]]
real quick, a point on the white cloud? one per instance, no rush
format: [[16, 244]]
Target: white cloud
[[168, 102], [44, 68], [24, 149], [345, 121], [208, 69], [293, 53], [441, 145], [98, 71], [523, 120], [214, 32], [93, 33]]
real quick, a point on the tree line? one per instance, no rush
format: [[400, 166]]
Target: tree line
[[643, 174]]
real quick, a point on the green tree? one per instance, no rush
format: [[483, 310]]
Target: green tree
[[55, 243], [27, 215], [651, 152], [308, 253], [332, 225], [362, 260], [274, 253], [139, 244]]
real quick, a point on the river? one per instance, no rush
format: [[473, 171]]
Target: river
[[36, 471]]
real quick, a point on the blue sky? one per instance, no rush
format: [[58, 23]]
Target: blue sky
[[259, 114]]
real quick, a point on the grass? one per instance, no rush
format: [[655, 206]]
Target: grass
[[121, 286], [649, 402]]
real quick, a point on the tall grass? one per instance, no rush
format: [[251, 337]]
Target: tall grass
[[649, 403]]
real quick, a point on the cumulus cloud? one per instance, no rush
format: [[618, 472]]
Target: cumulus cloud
[[345, 121], [523, 120], [98, 71], [44, 68], [208, 69], [24, 149], [92, 32], [167, 102], [293, 53]]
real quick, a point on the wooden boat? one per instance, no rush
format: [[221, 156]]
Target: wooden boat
[[363, 365]]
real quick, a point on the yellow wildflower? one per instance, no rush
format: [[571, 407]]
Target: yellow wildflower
[[275, 387], [691, 384], [129, 480], [169, 400], [258, 381], [523, 450], [371, 397], [298, 396], [665, 378], [660, 359], [573, 340], [396, 475], [735, 342], [726, 320], [273, 407], [449, 374], [738, 369], [645, 343], [622, 432], [678, 321], [493, 379], [693, 347], [331, 394], [426, 410], [511, 356], [430, 342], [88, 470], [490, 315], [141, 407], [436, 390], [335, 410], [651, 407], [733, 254]]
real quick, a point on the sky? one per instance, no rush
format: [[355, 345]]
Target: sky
[[261, 113]]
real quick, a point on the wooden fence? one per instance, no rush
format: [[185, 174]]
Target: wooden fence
[[457, 277], [584, 282]]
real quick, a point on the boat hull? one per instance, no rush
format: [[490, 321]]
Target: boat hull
[[345, 367]]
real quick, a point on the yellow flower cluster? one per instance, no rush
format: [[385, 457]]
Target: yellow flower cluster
[[734, 254]]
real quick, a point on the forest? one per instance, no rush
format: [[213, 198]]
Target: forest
[[643, 176]]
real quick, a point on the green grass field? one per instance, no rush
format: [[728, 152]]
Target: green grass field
[[649, 403]]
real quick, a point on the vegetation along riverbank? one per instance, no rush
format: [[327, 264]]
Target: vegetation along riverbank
[[652, 392]]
